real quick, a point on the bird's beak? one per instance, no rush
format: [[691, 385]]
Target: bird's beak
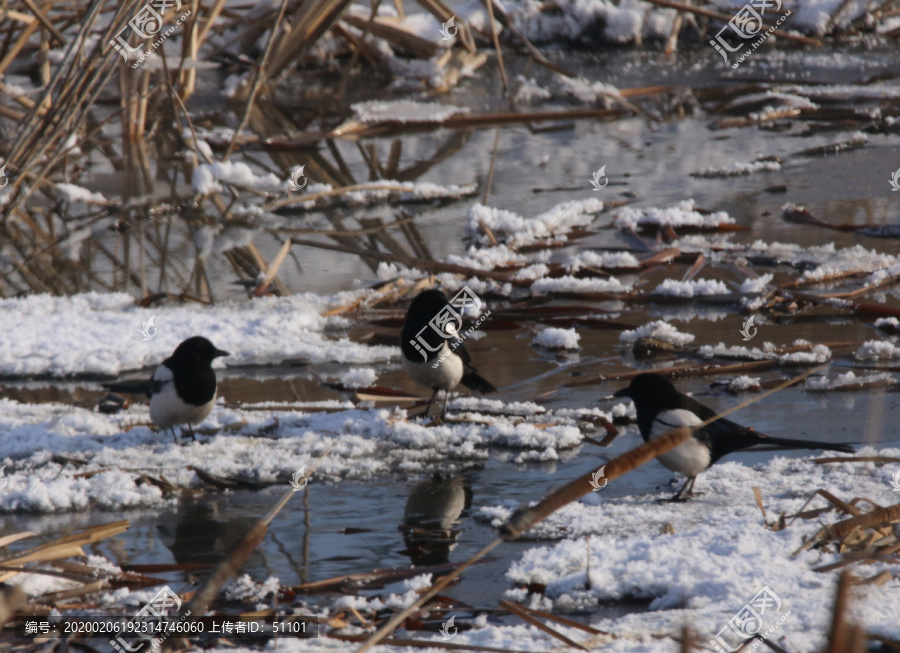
[[622, 393], [219, 352]]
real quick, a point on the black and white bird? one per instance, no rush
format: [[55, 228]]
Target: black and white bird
[[183, 388], [661, 408], [432, 358]]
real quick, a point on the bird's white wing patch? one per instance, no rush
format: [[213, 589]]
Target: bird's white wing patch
[[162, 374], [689, 458], [669, 419]]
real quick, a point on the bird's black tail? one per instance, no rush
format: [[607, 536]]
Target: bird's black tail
[[788, 443], [475, 381], [136, 387]]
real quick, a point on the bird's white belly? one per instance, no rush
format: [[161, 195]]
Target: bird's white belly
[[167, 409], [445, 376], [689, 458]]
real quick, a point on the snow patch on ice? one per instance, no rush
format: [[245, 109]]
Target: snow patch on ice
[[658, 330], [554, 338]]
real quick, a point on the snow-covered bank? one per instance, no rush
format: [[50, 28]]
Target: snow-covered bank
[[120, 451], [105, 334], [700, 562]]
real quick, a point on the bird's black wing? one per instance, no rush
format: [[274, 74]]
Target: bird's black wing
[[724, 436], [471, 378], [147, 387]]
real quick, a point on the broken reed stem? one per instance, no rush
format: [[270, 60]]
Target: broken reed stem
[[839, 635], [490, 177], [496, 39], [258, 79], [523, 520], [873, 518]]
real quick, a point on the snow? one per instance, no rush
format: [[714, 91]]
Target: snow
[[607, 260], [658, 330], [818, 354], [887, 323], [687, 289], [757, 285], [738, 169], [743, 382], [571, 284], [359, 377], [365, 444], [699, 563], [874, 350], [75, 193], [528, 91], [682, 214], [587, 91], [207, 177], [516, 231], [849, 380], [99, 334], [405, 111], [554, 338]]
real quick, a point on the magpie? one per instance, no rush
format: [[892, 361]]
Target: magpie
[[429, 358], [183, 388], [661, 408]]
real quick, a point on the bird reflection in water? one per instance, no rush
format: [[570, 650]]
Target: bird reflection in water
[[201, 535], [434, 507]]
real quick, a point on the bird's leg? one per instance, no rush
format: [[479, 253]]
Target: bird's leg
[[446, 399], [174, 434], [428, 405], [686, 490], [191, 431]]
